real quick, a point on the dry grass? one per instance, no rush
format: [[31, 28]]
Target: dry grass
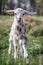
[[34, 44]]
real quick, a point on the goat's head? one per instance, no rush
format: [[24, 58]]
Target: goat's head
[[19, 12]]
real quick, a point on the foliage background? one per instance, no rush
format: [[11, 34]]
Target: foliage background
[[34, 34]]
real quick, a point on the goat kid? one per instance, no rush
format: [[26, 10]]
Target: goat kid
[[17, 35]]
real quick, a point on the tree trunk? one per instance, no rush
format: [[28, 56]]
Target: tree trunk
[[0, 5]]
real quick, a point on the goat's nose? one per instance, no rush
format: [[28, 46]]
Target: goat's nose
[[19, 20]]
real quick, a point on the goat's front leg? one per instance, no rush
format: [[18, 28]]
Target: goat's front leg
[[23, 49], [24, 46], [15, 43], [10, 45]]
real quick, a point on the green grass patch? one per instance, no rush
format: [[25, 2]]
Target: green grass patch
[[34, 46]]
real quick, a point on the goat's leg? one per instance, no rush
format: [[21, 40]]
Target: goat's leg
[[25, 49], [15, 49], [20, 44], [10, 45], [21, 50]]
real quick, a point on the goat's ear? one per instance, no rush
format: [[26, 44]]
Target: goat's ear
[[9, 11], [25, 12], [30, 13]]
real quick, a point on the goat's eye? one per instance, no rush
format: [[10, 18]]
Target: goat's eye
[[15, 13], [23, 14]]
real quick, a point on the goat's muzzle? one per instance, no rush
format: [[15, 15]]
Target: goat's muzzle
[[19, 20]]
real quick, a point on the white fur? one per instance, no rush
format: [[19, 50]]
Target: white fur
[[14, 39]]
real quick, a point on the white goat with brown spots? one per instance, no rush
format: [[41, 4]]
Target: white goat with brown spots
[[17, 35]]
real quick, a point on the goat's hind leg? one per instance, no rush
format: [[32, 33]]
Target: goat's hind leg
[[10, 46]]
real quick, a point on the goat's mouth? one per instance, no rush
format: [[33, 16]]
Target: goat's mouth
[[19, 20]]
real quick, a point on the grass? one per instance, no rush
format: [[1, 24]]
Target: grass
[[34, 46]]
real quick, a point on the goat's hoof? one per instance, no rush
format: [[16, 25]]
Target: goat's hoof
[[15, 57], [25, 56]]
